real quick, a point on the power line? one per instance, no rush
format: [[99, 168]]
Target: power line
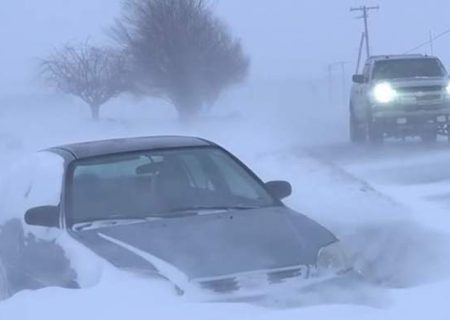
[[430, 35], [442, 34]]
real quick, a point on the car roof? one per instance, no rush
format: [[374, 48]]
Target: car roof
[[399, 57], [114, 146]]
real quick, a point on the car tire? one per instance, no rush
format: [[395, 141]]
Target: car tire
[[447, 132], [4, 282]]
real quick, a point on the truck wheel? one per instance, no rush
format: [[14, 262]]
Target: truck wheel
[[4, 282], [357, 134], [447, 131], [429, 137], [376, 134]]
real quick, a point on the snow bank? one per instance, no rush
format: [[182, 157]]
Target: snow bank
[[36, 180], [387, 240], [342, 203], [388, 244]]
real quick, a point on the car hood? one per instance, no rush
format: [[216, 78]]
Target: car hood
[[213, 245]]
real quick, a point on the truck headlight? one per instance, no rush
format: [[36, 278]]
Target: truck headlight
[[384, 93], [333, 259]]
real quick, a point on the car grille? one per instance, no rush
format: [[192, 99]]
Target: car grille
[[231, 284], [221, 286], [280, 276]]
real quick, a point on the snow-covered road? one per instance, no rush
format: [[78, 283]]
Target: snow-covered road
[[412, 173]]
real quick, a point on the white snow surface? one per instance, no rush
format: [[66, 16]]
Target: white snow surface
[[31, 181], [389, 206]]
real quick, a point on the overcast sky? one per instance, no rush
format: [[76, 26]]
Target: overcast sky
[[285, 38]]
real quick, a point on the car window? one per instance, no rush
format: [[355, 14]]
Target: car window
[[121, 167], [141, 185], [235, 177], [408, 68], [198, 176]]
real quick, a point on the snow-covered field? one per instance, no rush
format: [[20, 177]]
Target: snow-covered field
[[389, 206]]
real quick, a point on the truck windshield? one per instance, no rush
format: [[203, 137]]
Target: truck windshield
[[408, 68]]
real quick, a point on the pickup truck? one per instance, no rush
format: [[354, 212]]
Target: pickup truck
[[400, 96]]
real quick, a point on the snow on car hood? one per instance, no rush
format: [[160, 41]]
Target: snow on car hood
[[214, 244]]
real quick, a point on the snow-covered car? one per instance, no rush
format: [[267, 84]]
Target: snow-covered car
[[181, 209]]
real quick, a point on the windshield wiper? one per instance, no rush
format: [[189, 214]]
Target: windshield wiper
[[198, 210], [110, 221], [225, 208]]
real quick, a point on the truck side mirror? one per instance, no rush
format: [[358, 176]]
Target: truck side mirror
[[358, 78]]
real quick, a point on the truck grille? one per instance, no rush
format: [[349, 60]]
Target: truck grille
[[422, 95], [424, 89], [429, 97]]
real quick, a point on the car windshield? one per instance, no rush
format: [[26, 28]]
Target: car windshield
[[408, 68], [162, 184]]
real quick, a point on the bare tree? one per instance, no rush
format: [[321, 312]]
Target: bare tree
[[91, 73], [179, 48]]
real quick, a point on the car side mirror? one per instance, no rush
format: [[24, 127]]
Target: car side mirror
[[358, 78], [279, 189], [45, 216]]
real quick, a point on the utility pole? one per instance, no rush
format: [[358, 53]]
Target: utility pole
[[358, 63], [365, 11]]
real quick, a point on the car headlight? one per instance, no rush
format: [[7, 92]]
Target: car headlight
[[333, 259], [384, 93], [448, 88]]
